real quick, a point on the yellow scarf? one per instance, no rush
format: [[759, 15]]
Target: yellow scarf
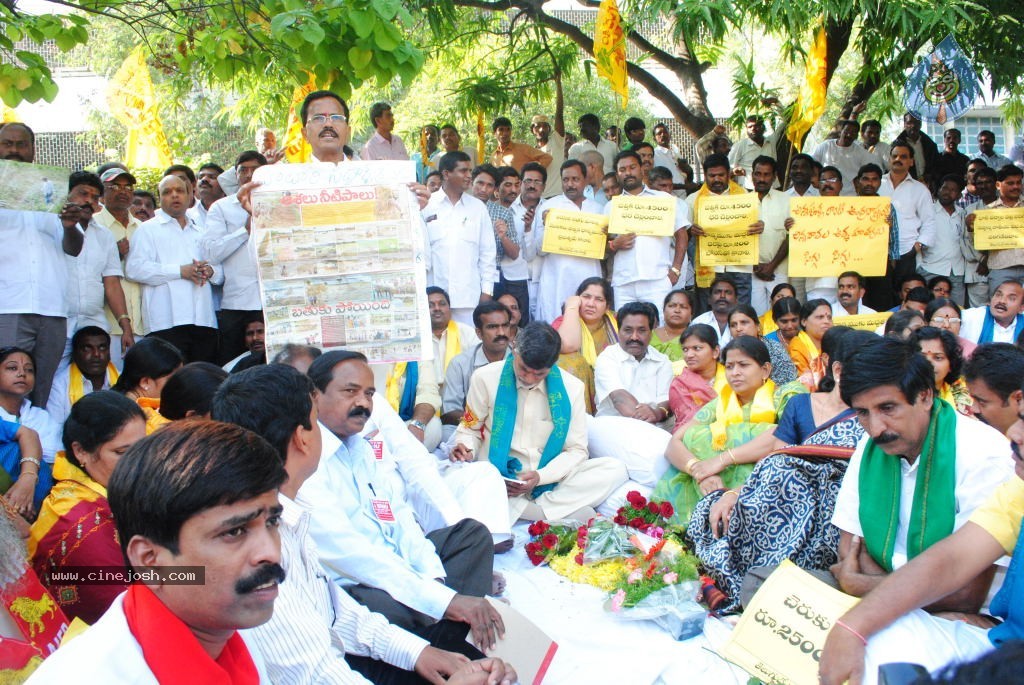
[[812, 350], [720, 384], [730, 411], [705, 274], [393, 387], [452, 344], [76, 382], [587, 347]]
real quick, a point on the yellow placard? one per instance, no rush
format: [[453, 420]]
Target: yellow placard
[[831, 235], [999, 229], [580, 234], [725, 220], [780, 637], [863, 322], [643, 215], [358, 212]]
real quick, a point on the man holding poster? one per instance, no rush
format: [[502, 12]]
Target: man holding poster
[[1009, 263], [561, 274], [645, 267], [773, 246]]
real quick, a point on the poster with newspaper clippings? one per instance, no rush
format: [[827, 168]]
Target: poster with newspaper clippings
[[341, 262]]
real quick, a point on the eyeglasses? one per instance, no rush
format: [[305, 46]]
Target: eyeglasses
[[322, 119], [945, 319], [122, 187]]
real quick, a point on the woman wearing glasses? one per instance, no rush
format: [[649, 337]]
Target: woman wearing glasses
[[945, 314]]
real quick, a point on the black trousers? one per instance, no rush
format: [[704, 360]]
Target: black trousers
[[467, 553], [196, 343]]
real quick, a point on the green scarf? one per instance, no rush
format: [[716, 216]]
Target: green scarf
[[503, 423], [934, 509]]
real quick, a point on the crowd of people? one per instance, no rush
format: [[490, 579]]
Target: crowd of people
[[348, 514]]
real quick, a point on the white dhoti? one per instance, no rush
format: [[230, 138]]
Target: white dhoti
[[479, 488], [586, 485], [639, 445]]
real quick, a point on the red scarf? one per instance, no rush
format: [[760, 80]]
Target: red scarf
[[173, 653]]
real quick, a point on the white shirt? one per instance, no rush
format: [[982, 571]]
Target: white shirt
[[97, 260], [528, 246], [881, 153], [378, 147], [358, 547], [651, 257], [197, 213], [58, 406], [773, 210], [811, 192], [667, 157], [913, 205], [315, 623], [724, 337], [108, 653], [604, 146], [839, 310], [462, 250], [159, 248], [556, 148], [560, 275], [467, 338], [647, 380], [518, 269], [226, 242], [983, 462], [745, 151], [39, 420], [945, 257], [33, 271], [973, 320], [848, 160]]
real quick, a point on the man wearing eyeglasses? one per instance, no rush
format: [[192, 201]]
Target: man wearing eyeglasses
[[325, 127], [116, 217]]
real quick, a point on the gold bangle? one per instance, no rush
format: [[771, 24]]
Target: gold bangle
[[686, 467], [732, 457], [731, 492]]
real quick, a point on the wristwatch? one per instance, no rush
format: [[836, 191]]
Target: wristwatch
[[418, 424], [676, 271]]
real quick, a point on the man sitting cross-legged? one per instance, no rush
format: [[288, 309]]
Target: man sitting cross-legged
[[529, 419], [887, 625], [318, 632], [917, 476]]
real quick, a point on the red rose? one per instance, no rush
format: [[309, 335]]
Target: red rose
[[579, 558], [534, 528], [549, 541], [653, 508], [636, 499], [619, 520], [532, 548], [667, 510], [637, 522]]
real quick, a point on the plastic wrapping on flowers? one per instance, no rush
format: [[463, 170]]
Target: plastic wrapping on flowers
[[606, 540], [673, 608]]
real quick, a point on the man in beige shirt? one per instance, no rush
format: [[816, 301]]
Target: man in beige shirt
[[541, 444], [1004, 265]]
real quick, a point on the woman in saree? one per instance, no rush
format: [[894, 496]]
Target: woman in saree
[[148, 366], [784, 509], [743, 321], [712, 450], [945, 313], [702, 379], [941, 348], [786, 315], [677, 311], [587, 326], [805, 349], [75, 526], [779, 292]]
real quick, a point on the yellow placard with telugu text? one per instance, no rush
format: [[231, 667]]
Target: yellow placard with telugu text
[[579, 234], [863, 322], [781, 634], [726, 220], [831, 235], [643, 215], [999, 229]]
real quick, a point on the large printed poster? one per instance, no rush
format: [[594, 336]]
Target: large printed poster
[[341, 259]]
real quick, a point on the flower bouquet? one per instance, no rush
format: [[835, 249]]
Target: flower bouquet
[[550, 540], [647, 517]]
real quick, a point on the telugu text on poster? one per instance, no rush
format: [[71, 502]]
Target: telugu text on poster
[[831, 235], [643, 215], [579, 234], [340, 258], [999, 229], [726, 220]]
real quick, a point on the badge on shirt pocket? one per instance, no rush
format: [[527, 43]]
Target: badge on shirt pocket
[[382, 510], [378, 449]]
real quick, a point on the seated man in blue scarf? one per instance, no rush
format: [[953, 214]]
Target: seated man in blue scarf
[[528, 418], [888, 625], [1000, 321]]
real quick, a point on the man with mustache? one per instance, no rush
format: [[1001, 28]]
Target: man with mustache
[[849, 300], [914, 227], [196, 494], [1000, 321], [34, 276], [208, 191], [528, 419], [888, 626], [632, 378], [492, 323], [723, 299], [1004, 264], [844, 153], [449, 337], [318, 632], [917, 476], [365, 526]]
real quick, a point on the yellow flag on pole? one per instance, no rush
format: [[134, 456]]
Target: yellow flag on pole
[[610, 48], [810, 104], [7, 114], [296, 149], [133, 103]]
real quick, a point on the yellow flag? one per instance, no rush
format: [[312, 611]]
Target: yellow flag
[[7, 114], [811, 102], [132, 102], [610, 48], [296, 149]]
